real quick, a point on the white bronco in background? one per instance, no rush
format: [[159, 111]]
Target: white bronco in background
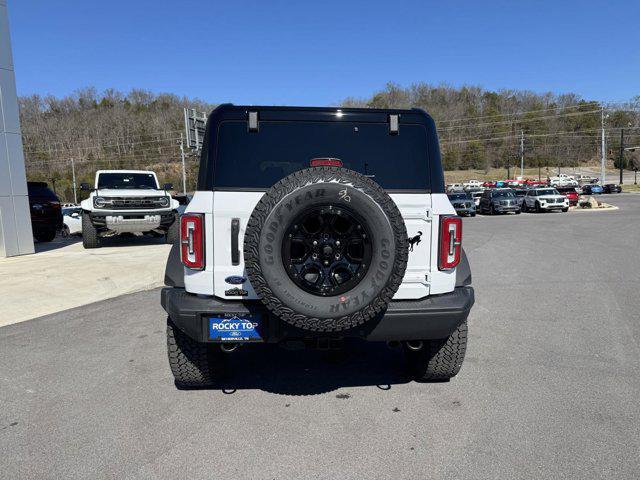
[[127, 201]]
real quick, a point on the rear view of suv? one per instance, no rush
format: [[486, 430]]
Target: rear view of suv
[[315, 225], [46, 212]]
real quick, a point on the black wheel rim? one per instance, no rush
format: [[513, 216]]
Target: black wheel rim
[[327, 250]]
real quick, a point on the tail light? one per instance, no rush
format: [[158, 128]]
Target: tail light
[[55, 205], [450, 242], [326, 162], [192, 240]]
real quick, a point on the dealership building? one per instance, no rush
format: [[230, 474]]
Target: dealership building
[[16, 237]]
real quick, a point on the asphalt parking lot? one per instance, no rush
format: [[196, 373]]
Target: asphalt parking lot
[[549, 388]]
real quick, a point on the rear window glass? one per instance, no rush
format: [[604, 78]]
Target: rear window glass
[[41, 192], [260, 159]]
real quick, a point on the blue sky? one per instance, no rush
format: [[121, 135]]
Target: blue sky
[[317, 53]]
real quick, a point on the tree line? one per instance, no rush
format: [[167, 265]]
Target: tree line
[[478, 129]]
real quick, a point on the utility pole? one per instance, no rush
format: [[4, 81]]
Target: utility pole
[[603, 158], [184, 171], [73, 174], [621, 152], [522, 153]]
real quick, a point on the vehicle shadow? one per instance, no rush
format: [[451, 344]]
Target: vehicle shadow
[[58, 242], [312, 372], [116, 241]]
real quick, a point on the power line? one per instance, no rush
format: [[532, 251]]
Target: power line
[[519, 113], [523, 120]]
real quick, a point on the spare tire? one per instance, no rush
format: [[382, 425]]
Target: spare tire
[[326, 249]]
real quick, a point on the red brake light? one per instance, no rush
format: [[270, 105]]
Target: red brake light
[[326, 162], [450, 242], [192, 240]]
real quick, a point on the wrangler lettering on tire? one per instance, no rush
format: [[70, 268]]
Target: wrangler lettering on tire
[[326, 249]]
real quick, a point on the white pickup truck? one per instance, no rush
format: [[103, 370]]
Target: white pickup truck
[[127, 201]]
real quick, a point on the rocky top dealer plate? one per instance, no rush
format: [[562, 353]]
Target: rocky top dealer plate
[[231, 327]]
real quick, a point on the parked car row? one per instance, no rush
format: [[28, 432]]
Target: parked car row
[[516, 196]]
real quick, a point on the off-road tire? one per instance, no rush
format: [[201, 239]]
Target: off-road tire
[[173, 232], [45, 236], [90, 238], [193, 364], [290, 196], [438, 360]]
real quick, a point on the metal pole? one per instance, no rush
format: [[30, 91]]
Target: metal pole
[[539, 175], [186, 124], [184, 171], [522, 153], [621, 152], [195, 127], [73, 174], [603, 158]]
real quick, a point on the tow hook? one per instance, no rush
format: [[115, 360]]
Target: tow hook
[[414, 345], [229, 347]]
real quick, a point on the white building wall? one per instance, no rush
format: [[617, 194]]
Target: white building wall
[[16, 237]]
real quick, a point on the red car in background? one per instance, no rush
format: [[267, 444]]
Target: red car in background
[[570, 193]]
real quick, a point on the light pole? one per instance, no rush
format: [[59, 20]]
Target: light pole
[[603, 157]]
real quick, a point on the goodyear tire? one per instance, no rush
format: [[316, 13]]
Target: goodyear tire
[[336, 197]]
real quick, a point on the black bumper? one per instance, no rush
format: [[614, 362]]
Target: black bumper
[[434, 317]]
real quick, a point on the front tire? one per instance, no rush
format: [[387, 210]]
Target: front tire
[[90, 238], [438, 360], [538, 208], [193, 364], [565, 209]]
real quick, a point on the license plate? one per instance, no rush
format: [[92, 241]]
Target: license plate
[[234, 327]]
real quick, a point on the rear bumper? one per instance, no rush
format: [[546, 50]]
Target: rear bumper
[[429, 318]]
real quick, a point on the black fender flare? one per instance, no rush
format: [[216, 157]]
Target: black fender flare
[[463, 271], [174, 272]]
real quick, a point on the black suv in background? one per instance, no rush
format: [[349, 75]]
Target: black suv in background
[[611, 188], [463, 203], [46, 212], [500, 200]]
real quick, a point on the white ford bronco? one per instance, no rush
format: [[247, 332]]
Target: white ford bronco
[[314, 225], [127, 201]]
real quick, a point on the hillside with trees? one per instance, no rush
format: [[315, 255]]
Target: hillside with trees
[[479, 129]]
